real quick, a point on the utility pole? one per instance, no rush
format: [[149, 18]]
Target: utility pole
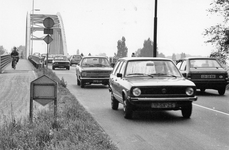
[[155, 32]]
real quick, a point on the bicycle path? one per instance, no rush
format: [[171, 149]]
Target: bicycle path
[[15, 91]]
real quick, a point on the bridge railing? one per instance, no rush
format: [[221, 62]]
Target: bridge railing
[[4, 61], [37, 61]]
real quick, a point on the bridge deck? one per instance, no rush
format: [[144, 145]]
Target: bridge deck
[[15, 91]]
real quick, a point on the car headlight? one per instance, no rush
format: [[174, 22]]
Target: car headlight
[[84, 74], [136, 92], [189, 91]]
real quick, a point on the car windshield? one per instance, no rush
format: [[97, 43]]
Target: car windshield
[[204, 63], [60, 58], [95, 62], [151, 68]]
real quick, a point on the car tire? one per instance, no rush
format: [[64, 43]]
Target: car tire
[[221, 91], [82, 84], [114, 102], [128, 109], [68, 68], [186, 110], [78, 82], [53, 68]]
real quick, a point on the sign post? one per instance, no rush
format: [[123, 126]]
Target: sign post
[[48, 23], [43, 90]]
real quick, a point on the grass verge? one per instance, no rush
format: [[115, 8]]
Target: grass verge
[[75, 127]]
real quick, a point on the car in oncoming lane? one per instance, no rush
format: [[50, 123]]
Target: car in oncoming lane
[[93, 70], [60, 62], [149, 83], [205, 72]]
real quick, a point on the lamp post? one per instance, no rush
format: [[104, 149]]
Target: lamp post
[[155, 32]]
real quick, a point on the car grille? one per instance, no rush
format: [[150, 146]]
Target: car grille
[[163, 91], [208, 76], [98, 74]]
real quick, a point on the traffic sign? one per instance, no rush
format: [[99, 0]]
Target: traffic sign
[[48, 22], [48, 39]]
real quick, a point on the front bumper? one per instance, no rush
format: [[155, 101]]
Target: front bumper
[[95, 80], [164, 99], [175, 103]]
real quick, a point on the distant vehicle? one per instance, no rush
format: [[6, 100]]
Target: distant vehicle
[[75, 59], [37, 54], [205, 72], [93, 70], [60, 62], [149, 83]]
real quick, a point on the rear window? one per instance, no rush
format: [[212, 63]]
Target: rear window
[[204, 63], [77, 57]]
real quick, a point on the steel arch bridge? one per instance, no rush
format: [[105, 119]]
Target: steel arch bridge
[[34, 23]]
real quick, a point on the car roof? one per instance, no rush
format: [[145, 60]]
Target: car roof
[[144, 58], [212, 58], [95, 57]]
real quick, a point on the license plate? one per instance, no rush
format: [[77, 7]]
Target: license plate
[[97, 81], [208, 76], [163, 105]]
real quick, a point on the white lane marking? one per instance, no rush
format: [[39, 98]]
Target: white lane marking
[[212, 109]]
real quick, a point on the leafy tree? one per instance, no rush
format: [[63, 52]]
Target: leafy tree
[[147, 49], [217, 34], [174, 57], [122, 49], [183, 55], [2, 50], [161, 55]]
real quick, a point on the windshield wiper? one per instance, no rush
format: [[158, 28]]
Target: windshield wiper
[[136, 74], [162, 74]]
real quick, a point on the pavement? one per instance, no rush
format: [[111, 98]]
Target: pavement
[[15, 91]]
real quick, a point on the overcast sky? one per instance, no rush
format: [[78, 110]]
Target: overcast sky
[[95, 26]]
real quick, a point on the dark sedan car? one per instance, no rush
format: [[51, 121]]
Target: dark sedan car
[[148, 83], [93, 70], [205, 72], [60, 62]]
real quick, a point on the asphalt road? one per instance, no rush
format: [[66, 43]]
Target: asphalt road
[[208, 128]]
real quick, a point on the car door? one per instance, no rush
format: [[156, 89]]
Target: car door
[[113, 78], [116, 80]]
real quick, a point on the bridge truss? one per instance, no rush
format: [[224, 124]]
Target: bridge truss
[[34, 23]]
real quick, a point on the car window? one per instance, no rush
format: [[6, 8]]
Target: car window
[[149, 67], [116, 67], [204, 63], [119, 68], [60, 58], [95, 62], [183, 66], [179, 64], [122, 67]]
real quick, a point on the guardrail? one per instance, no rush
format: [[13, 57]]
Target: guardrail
[[4, 61], [37, 61]]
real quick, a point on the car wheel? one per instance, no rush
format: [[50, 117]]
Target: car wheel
[[221, 91], [186, 110], [114, 102], [128, 109], [78, 81], [82, 84], [68, 68], [53, 68], [202, 90]]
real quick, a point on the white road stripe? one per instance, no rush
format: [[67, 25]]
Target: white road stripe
[[212, 109]]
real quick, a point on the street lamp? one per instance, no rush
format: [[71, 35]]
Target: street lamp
[[155, 32]]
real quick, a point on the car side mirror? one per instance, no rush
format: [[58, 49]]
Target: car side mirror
[[119, 75]]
